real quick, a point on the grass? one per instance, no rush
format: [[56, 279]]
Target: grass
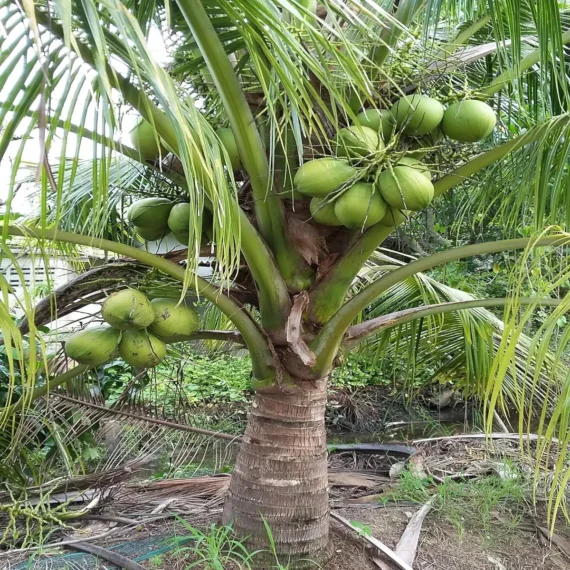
[[156, 561], [492, 505], [215, 549]]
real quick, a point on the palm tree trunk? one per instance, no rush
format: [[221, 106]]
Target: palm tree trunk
[[281, 475]]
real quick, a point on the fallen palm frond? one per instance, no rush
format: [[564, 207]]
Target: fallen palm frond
[[397, 560], [408, 543]]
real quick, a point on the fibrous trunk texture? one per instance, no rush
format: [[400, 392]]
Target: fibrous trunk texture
[[281, 475]]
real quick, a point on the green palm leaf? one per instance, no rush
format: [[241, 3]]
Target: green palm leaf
[[460, 346]]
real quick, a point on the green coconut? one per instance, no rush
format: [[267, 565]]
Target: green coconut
[[92, 346], [357, 141], [415, 163], [322, 211], [179, 223], [145, 140], [354, 100], [228, 140], [392, 218], [468, 121], [360, 206], [380, 121], [179, 218], [141, 349], [182, 237], [417, 115], [405, 187], [322, 176], [151, 234], [128, 309], [172, 320], [150, 213]]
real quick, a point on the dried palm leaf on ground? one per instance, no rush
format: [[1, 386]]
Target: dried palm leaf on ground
[[402, 564]]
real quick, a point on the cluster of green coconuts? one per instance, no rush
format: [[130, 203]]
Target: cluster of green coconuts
[[155, 218], [137, 328], [339, 197], [342, 192]]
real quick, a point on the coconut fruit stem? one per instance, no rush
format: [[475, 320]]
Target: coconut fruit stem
[[390, 35]]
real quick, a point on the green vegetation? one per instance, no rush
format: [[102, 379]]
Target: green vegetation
[[259, 108], [489, 505], [214, 549]]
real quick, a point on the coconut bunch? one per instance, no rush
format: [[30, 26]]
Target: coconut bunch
[[137, 329], [155, 218], [369, 181]]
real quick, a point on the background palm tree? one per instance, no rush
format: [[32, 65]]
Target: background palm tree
[[285, 75]]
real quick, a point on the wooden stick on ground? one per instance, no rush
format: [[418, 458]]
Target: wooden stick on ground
[[374, 542]]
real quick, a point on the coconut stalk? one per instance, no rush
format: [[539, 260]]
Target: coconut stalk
[[329, 339], [268, 206]]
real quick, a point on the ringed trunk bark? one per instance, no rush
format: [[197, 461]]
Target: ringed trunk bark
[[280, 476]]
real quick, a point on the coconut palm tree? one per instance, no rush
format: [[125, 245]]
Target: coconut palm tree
[[286, 76]]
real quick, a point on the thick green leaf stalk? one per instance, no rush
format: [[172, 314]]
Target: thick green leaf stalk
[[328, 341], [269, 209], [255, 339]]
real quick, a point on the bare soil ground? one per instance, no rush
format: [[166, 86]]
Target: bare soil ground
[[483, 518], [441, 546]]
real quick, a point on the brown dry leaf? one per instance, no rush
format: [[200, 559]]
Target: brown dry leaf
[[498, 564], [294, 329], [408, 544], [559, 561], [307, 240], [354, 480], [561, 542], [326, 265]]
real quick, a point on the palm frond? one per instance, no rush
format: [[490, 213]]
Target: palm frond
[[75, 430], [547, 347], [529, 188], [459, 347], [89, 97]]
